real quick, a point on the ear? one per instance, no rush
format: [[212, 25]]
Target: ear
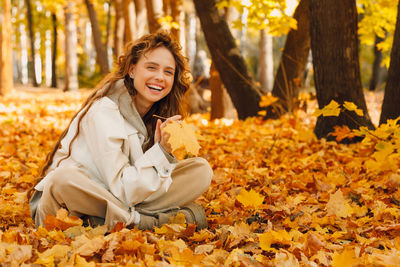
[[132, 71]]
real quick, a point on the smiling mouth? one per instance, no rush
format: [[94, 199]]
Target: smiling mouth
[[156, 88]]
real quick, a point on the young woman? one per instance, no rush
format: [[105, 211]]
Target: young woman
[[113, 163]]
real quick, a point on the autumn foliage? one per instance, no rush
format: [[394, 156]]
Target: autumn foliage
[[279, 196]]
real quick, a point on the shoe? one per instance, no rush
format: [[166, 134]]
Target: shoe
[[194, 213], [92, 221], [147, 222]]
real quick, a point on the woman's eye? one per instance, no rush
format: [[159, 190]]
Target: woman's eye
[[169, 72], [151, 68]]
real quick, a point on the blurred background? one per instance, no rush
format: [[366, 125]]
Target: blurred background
[[71, 44]]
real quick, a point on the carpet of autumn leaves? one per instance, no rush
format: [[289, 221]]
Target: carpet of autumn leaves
[[279, 197]]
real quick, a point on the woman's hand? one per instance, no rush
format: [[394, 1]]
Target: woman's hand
[[162, 136]]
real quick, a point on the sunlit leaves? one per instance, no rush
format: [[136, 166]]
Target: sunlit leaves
[[378, 17], [263, 14]]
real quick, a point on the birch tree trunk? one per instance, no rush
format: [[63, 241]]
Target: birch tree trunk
[[101, 51], [71, 59], [6, 73], [141, 17], [266, 63]]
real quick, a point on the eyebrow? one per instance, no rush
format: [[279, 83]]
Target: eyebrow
[[154, 63]]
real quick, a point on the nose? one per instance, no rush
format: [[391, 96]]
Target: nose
[[159, 76]]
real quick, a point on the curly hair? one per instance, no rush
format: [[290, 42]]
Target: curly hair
[[170, 105]]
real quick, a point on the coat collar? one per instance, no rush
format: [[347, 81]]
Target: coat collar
[[120, 95]]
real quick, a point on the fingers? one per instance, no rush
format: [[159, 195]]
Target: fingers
[[164, 142], [157, 134], [162, 136], [170, 119]]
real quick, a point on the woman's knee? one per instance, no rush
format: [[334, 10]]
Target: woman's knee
[[62, 179], [203, 172]]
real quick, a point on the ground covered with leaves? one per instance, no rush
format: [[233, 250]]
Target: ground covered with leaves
[[279, 196]]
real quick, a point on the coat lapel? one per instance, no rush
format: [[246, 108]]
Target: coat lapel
[[120, 95]]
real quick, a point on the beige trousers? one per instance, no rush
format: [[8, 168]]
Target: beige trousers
[[71, 188]]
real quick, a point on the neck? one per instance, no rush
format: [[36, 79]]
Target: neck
[[142, 108]]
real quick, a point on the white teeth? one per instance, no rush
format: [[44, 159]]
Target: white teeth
[[155, 87]]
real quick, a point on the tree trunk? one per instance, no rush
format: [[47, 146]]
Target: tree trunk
[[54, 53], [221, 103], [334, 45], [178, 15], [391, 100], [6, 73], [130, 20], [101, 52], [71, 59], [154, 12], [119, 28], [228, 60], [376, 66], [292, 64], [266, 62], [108, 29], [141, 17], [31, 40], [24, 55]]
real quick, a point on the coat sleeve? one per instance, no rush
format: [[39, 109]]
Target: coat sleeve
[[131, 182]]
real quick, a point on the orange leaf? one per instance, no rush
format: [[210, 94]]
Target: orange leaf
[[62, 221]]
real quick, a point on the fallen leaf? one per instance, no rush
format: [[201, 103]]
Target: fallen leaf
[[182, 135], [250, 198], [338, 206]]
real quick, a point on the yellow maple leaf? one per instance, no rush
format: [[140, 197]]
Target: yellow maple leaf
[[267, 100], [273, 237], [182, 135], [250, 198], [332, 109], [383, 149], [337, 205], [353, 107], [346, 259]]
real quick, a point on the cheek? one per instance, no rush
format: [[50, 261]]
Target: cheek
[[171, 81]]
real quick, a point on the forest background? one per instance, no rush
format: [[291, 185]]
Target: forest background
[[294, 184]]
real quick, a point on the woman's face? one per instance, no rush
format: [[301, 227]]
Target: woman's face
[[153, 76]]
